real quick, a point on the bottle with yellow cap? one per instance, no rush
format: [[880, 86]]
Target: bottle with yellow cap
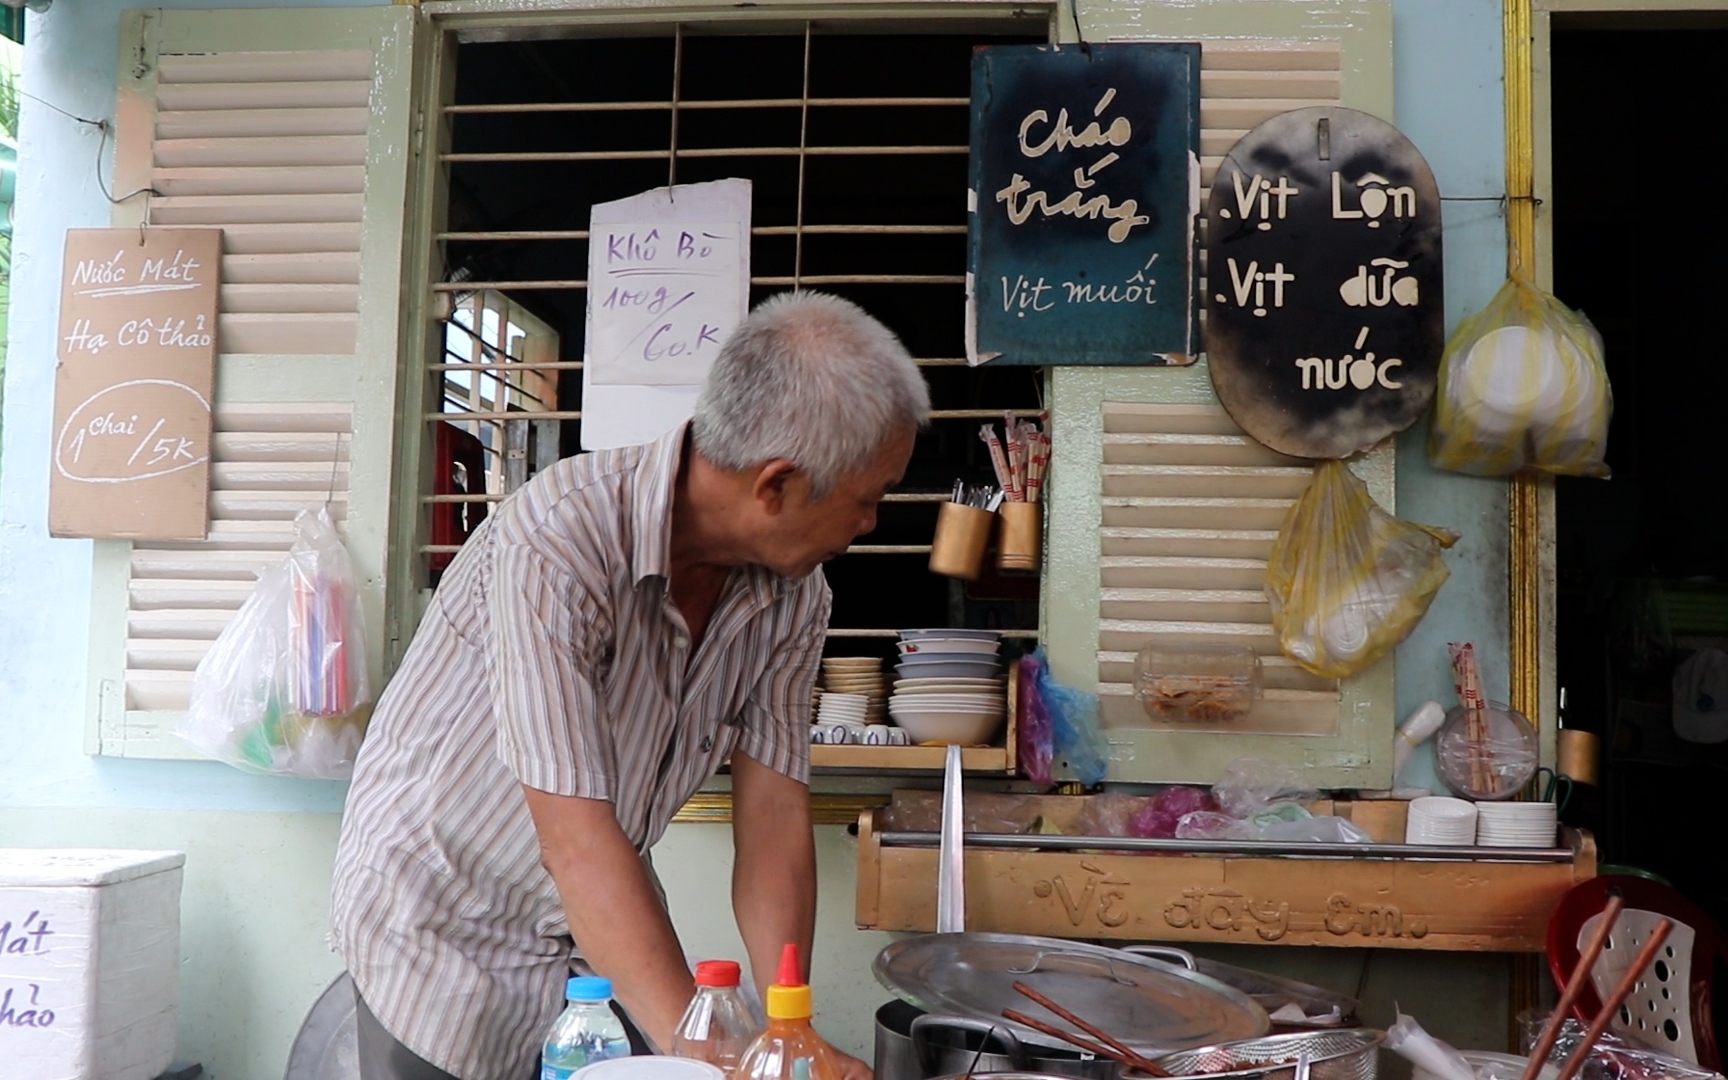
[[789, 1049]]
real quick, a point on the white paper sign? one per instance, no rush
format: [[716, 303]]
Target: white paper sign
[[668, 281], [663, 296]]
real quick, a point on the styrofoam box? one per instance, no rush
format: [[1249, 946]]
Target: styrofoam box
[[89, 963]]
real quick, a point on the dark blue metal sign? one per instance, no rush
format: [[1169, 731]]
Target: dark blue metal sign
[[1085, 190]]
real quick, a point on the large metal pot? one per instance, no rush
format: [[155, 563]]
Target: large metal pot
[[913, 1045]]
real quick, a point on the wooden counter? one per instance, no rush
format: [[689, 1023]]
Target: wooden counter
[[1232, 899]]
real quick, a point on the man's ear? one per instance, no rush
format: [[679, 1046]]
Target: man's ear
[[771, 484]]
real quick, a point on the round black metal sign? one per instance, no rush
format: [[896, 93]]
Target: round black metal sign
[[1325, 317]]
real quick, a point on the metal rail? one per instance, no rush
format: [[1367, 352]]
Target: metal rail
[[1240, 848]]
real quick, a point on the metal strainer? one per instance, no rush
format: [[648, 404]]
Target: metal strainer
[[1349, 1054]]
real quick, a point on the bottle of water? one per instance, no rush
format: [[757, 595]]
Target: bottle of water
[[717, 1027], [586, 1032]]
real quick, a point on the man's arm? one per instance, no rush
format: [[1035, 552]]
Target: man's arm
[[774, 875], [615, 915], [774, 865]]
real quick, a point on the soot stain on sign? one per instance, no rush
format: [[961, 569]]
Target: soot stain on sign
[[1324, 282]]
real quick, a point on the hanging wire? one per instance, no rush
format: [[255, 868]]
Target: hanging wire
[[803, 158], [1501, 199], [107, 129], [677, 91], [102, 151], [49, 104]]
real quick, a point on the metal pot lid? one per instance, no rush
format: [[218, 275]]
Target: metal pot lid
[[1153, 1007]]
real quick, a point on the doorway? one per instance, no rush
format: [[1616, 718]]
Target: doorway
[[1642, 558]]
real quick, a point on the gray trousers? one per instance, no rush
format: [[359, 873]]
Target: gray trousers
[[382, 1057]]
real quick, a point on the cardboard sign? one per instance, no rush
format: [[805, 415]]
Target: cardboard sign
[[133, 386], [1085, 189], [1323, 278]]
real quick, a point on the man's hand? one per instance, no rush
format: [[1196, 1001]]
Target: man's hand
[[850, 1067], [616, 917]]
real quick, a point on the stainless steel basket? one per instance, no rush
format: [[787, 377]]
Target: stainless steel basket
[[1349, 1054]]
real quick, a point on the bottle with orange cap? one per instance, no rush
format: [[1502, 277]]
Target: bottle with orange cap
[[789, 1049], [717, 1027]]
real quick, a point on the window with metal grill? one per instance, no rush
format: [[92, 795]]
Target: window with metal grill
[[856, 146]]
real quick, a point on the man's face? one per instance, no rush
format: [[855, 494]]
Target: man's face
[[806, 532]]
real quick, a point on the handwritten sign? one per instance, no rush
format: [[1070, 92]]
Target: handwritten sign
[[1325, 314], [1084, 191], [132, 389], [622, 414], [662, 298]]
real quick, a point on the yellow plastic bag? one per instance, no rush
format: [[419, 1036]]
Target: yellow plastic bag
[[1347, 580], [1522, 385]]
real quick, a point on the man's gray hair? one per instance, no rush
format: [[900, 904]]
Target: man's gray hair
[[811, 378]]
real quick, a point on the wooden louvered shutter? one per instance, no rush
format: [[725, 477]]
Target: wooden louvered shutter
[[291, 131], [1163, 511]]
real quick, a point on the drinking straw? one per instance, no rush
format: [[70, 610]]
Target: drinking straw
[[1467, 679], [1035, 466], [988, 435], [1016, 460]]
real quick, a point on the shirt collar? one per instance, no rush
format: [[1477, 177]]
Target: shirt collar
[[651, 514], [651, 509]]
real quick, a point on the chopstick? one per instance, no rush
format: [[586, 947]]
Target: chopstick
[[1117, 1050], [1087, 1045], [1645, 958], [1574, 987]]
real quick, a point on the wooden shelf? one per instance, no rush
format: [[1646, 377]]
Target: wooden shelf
[[893, 758], [1226, 899]]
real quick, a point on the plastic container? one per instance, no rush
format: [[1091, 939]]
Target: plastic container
[[1495, 767], [1197, 683], [717, 1027], [586, 1032], [89, 962], [646, 1067], [790, 1049]]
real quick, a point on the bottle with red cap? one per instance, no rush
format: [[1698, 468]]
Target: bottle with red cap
[[789, 1049], [717, 1027]]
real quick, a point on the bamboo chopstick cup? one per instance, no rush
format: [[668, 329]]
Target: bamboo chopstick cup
[[1574, 987], [1646, 957], [1122, 1053]]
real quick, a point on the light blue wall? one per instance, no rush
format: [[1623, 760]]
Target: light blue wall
[[70, 60], [252, 969], [1447, 65]]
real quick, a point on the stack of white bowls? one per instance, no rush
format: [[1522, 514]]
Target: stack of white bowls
[[1516, 824], [1441, 821], [951, 688]]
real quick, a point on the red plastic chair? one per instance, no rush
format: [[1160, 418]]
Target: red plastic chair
[[1671, 1008]]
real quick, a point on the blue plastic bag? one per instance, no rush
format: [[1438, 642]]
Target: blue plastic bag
[[1075, 735]]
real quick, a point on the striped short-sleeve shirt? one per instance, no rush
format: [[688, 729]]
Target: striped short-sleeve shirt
[[552, 656]]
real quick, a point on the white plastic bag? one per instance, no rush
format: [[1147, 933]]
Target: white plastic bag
[[284, 690], [1522, 384]]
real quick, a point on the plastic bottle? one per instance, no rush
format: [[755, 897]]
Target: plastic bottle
[[587, 1031], [717, 1027], [790, 1049]]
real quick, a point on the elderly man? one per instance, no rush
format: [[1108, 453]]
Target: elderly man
[[620, 628]]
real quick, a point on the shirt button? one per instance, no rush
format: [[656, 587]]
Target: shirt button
[[707, 743]]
